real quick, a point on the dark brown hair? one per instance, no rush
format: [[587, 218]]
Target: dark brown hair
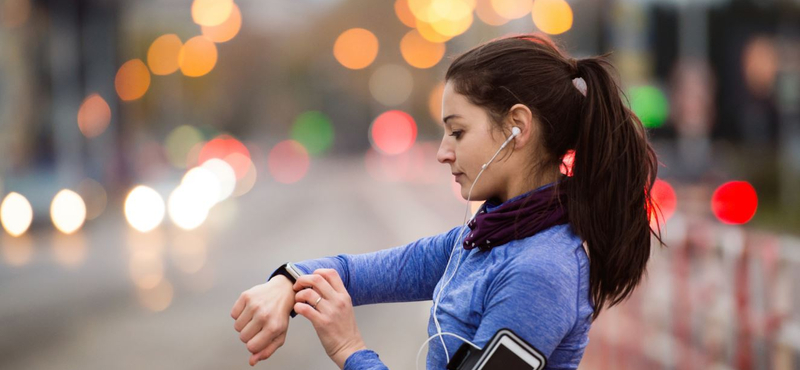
[[614, 168]]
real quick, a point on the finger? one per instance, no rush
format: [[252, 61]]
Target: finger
[[238, 307], [307, 295], [267, 352], [244, 318], [261, 340], [250, 330], [318, 283], [333, 278], [308, 312]]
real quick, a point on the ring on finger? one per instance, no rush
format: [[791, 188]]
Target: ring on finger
[[316, 302]]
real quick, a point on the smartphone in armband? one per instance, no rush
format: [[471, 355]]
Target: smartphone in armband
[[504, 351]]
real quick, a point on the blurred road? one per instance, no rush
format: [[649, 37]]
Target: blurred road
[[71, 302]]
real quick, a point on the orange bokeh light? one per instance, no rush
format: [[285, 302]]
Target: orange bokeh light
[[288, 161], [427, 32], [132, 80], [512, 9], [552, 16], [419, 52], [227, 30], [197, 57], [356, 48], [211, 12], [94, 116], [393, 132], [162, 56], [404, 13]]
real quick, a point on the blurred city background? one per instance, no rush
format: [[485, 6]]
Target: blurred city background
[[159, 157]]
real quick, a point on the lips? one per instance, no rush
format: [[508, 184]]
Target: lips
[[457, 174]]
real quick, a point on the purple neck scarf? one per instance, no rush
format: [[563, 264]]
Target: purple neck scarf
[[518, 218]]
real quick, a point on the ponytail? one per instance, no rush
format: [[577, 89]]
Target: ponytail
[[614, 169]]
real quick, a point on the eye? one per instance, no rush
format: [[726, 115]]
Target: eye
[[456, 133]]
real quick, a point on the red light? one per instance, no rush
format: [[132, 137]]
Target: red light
[[393, 132], [566, 163], [734, 202], [288, 161], [222, 147], [665, 202]]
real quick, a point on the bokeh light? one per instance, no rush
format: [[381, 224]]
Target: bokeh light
[[241, 164], [158, 298], [356, 48], [650, 105], [211, 12], [435, 103], [179, 142], [185, 210], [197, 57], [488, 15], [552, 16], [429, 33], [162, 56], [15, 13], [453, 27], [94, 115], [132, 80], [419, 52], [68, 211], [222, 147], [391, 84], [224, 173], [404, 13], [95, 197], [665, 203], [16, 214], [393, 132], [314, 130], [288, 162], [226, 30], [203, 186], [567, 162], [734, 202], [144, 208], [512, 9]]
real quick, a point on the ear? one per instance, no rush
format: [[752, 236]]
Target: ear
[[521, 116]]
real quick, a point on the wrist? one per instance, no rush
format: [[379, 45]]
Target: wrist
[[285, 285], [341, 356]]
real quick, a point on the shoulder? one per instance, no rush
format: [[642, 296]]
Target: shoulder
[[550, 254]]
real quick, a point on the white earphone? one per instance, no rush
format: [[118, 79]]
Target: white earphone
[[514, 132]]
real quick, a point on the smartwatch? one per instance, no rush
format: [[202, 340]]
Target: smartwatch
[[291, 272]]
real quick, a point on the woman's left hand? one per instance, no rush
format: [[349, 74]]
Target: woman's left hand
[[329, 308]]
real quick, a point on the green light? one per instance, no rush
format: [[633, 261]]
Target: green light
[[314, 130], [650, 105]]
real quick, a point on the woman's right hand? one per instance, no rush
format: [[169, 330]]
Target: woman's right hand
[[262, 316]]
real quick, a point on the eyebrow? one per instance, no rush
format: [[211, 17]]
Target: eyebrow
[[449, 117]]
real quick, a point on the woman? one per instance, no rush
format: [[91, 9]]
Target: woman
[[522, 263]]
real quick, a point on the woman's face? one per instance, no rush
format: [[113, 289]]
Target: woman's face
[[469, 141]]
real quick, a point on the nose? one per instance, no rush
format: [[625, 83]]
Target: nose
[[445, 153]]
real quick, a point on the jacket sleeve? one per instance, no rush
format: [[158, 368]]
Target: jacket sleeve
[[538, 304], [401, 274], [364, 359]]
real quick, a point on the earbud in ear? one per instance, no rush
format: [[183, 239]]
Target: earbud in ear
[[515, 131]]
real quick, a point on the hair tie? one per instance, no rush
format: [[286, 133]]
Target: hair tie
[[579, 84]]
